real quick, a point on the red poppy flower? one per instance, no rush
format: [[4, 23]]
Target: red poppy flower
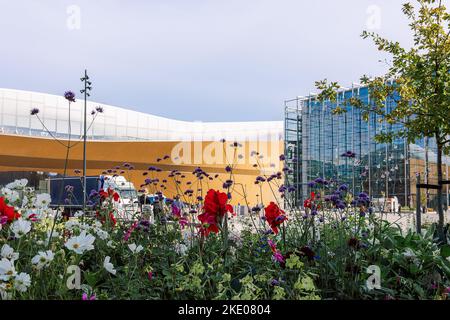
[[110, 193], [214, 209], [274, 216], [8, 211], [216, 203], [309, 202]]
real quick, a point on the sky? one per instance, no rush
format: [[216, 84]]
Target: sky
[[194, 60]]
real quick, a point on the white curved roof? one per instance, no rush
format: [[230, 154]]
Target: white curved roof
[[117, 123]]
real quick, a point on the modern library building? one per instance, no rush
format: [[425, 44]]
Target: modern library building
[[342, 147]]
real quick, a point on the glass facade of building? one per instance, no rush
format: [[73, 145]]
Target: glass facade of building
[[117, 124], [316, 139]]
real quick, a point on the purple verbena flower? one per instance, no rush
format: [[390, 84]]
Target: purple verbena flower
[[70, 96]]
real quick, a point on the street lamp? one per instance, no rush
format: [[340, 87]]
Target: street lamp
[[86, 90]]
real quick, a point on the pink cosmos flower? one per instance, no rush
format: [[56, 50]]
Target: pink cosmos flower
[[3, 219], [85, 297], [272, 245], [130, 231], [183, 222], [278, 257], [176, 211]]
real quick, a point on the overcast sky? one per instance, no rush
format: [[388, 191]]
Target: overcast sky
[[203, 60]]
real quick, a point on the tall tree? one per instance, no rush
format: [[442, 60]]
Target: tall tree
[[418, 80]]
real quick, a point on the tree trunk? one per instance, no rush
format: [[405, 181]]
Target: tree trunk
[[440, 208]]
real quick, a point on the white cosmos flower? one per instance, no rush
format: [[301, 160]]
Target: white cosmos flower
[[43, 259], [55, 234], [409, 253], [11, 195], [21, 227], [43, 200], [81, 244], [109, 266], [181, 248], [110, 244], [22, 281], [17, 184], [101, 234], [22, 183], [134, 248], [4, 294], [25, 201], [8, 253], [72, 224], [78, 214], [97, 224], [7, 270], [11, 185]]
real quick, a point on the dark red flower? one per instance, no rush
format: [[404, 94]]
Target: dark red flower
[[309, 202], [352, 268], [307, 252], [8, 211], [274, 216], [215, 207], [354, 243], [112, 219]]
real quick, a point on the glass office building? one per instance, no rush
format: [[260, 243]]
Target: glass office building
[[316, 140]]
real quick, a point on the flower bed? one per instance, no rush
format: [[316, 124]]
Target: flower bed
[[199, 249]]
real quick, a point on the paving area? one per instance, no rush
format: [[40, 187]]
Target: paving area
[[405, 220]]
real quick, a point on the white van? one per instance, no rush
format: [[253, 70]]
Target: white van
[[390, 204], [129, 199]]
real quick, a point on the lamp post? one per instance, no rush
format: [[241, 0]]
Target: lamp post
[[86, 90]]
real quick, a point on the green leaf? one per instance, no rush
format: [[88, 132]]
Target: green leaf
[[445, 268], [419, 290], [445, 251], [91, 278]]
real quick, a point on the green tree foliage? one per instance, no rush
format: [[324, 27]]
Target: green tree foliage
[[418, 80]]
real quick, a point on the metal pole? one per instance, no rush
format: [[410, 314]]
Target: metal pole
[[406, 156], [447, 178], [418, 207], [369, 143], [387, 173], [84, 141], [353, 142]]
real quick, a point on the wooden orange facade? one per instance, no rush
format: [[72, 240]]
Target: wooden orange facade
[[22, 153]]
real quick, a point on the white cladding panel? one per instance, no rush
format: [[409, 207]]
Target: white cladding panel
[[116, 123]]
